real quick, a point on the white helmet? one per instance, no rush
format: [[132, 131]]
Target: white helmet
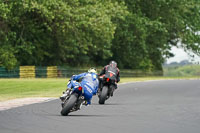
[[92, 70]]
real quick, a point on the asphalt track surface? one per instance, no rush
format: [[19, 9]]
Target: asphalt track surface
[[170, 106]]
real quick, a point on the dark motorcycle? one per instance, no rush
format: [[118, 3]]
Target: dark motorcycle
[[73, 101], [107, 87]]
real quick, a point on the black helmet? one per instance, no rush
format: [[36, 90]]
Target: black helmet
[[113, 63]]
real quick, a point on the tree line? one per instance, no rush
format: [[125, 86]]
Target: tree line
[[138, 34]]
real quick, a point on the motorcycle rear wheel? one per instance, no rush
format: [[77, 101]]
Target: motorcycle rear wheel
[[103, 95], [69, 104]]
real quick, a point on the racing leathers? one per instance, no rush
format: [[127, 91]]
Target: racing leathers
[[89, 83], [111, 72]]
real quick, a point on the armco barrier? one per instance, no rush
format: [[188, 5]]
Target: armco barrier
[[61, 72]]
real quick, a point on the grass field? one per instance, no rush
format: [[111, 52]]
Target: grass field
[[182, 71], [21, 88]]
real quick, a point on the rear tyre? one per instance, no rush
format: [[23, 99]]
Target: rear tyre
[[112, 88], [68, 105], [103, 95]]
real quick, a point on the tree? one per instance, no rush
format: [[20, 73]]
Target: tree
[[57, 31], [138, 34], [153, 27]]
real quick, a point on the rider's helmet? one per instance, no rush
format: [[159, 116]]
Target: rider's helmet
[[92, 70], [113, 63]]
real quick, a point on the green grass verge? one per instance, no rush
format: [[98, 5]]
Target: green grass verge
[[21, 88]]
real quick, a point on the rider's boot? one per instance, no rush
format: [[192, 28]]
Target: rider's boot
[[87, 102]]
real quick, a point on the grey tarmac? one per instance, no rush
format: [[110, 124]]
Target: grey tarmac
[[165, 106]]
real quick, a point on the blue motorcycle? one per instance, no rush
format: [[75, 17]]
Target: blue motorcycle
[[74, 98]]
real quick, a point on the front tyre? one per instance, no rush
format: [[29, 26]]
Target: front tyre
[[69, 104], [103, 95]]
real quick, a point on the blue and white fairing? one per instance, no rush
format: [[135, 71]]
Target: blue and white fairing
[[89, 85]]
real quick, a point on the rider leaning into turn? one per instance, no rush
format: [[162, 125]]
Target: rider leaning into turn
[[89, 82], [110, 71]]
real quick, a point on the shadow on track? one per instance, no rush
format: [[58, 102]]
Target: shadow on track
[[71, 115], [77, 115], [106, 104]]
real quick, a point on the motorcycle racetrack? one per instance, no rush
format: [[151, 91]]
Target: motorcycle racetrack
[[164, 106]]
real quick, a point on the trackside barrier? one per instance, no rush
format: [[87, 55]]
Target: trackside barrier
[[41, 72], [4, 73], [138, 73], [52, 72], [62, 72], [27, 71]]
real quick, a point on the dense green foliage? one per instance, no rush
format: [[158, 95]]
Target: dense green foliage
[[152, 28], [138, 34]]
